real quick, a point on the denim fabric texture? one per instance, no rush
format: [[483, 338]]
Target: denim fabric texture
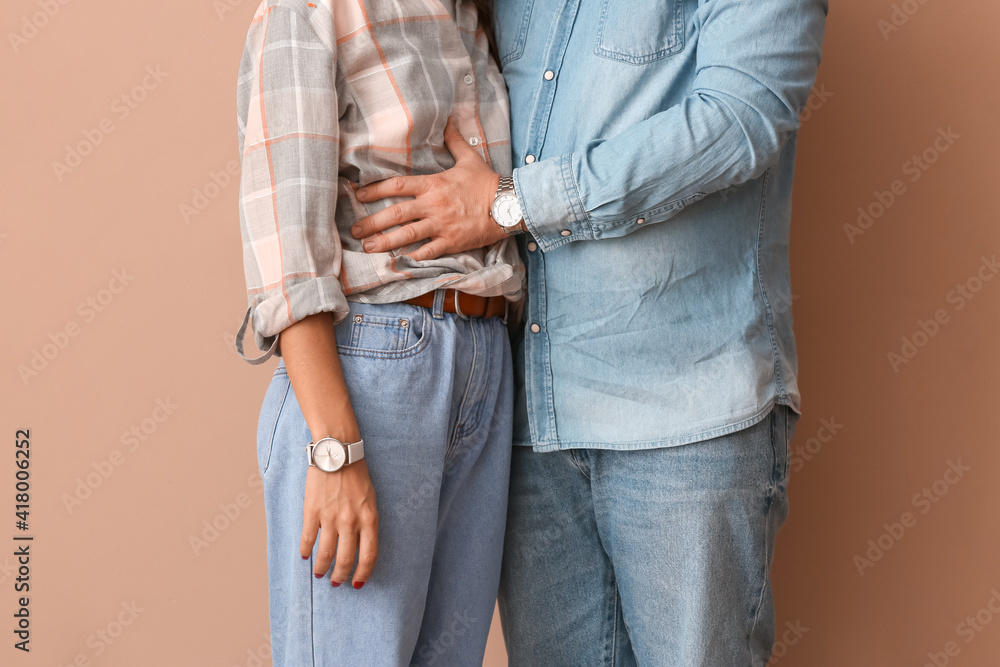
[[432, 393], [654, 147], [655, 557]]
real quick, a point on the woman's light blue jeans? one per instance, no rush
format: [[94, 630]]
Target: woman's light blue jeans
[[432, 392]]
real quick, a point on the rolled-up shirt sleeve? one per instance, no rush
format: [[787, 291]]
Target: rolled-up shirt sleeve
[[289, 146]]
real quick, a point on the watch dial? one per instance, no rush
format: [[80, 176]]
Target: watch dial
[[329, 456], [508, 210]]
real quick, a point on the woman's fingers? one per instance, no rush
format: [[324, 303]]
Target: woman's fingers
[[326, 549], [402, 237], [347, 546], [367, 552], [310, 525]]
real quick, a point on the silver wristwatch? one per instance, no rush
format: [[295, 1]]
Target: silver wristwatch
[[506, 208], [330, 454]]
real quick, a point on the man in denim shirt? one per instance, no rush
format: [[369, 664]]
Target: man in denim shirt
[[654, 145]]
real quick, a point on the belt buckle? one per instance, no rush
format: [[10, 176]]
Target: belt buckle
[[458, 310]]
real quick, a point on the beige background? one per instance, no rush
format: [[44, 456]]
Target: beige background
[[165, 335]]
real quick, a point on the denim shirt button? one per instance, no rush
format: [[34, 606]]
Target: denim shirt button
[[535, 328], [565, 232], [529, 159], [549, 75], [532, 246], [640, 221]]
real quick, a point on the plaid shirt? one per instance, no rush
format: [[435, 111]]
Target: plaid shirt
[[333, 95]]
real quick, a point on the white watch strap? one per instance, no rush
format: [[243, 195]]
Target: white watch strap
[[355, 451]]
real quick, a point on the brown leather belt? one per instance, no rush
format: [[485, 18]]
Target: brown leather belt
[[470, 305]]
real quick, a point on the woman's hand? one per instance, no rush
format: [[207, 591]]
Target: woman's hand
[[341, 505], [450, 208]]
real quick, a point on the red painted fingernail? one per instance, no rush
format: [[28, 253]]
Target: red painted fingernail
[[318, 575], [334, 583], [305, 558], [358, 585]]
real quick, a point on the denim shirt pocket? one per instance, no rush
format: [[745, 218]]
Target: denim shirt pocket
[[640, 32], [511, 27]]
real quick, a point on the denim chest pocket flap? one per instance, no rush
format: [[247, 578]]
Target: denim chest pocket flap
[[511, 26], [640, 32]]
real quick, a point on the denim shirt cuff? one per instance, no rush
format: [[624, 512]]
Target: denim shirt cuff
[[551, 203]]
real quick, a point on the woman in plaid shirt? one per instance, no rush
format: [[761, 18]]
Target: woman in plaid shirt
[[411, 354]]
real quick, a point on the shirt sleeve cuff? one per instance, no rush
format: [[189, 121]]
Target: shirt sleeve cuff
[[281, 309], [551, 204]]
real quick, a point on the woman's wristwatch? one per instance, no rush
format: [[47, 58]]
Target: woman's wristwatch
[[506, 208], [330, 454]]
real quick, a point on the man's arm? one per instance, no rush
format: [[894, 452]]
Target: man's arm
[[756, 64]]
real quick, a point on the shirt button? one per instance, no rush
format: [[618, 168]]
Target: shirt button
[[549, 75], [529, 158], [535, 328], [565, 232], [532, 246], [474, 141], [469, 79], [640, 221]]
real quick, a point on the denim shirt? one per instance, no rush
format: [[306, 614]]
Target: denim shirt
[[654, 146]]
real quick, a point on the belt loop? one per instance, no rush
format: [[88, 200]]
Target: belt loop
[[458, 309], [438, 310]]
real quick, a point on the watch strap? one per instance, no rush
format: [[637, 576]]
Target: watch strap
[[355, 451]]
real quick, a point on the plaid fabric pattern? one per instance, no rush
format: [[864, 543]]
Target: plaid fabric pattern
[[333, 95]]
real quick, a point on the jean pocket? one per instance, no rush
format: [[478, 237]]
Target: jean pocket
[[640, 32], [384, 331], [512, 27], [270, 411]]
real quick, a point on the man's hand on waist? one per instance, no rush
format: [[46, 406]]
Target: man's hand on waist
[[450, 208]]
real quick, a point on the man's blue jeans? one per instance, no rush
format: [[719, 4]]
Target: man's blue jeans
[[657, 557], [432, 393]]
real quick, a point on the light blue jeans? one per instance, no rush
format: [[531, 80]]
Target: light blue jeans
[[432, 393], [656, 557]]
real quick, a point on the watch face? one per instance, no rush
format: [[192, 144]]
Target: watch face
[[329, 455], [507, 210]]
